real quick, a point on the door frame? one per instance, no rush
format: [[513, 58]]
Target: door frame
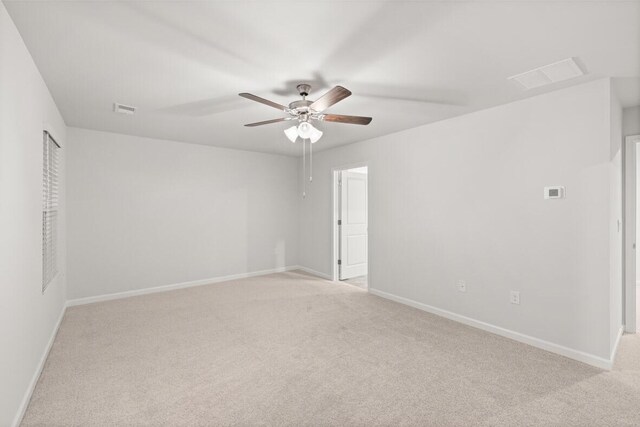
[[335, 208], [629, 237]]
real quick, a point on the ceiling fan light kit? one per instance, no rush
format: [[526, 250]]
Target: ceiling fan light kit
[[305, 111], [304, 130]]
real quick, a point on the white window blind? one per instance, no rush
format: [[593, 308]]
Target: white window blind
[[49, 209]]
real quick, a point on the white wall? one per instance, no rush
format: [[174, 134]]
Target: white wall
[[463, 199], [146, 213], [631, 121], [27, 317]]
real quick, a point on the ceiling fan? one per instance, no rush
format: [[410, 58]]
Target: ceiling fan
[[305, 111]]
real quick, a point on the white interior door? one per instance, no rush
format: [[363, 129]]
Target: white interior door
[[630, 226], [353, 228]]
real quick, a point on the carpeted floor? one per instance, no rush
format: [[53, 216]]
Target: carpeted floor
[[290, 349], [360, 281]]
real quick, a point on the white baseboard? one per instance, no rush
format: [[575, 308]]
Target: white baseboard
[[578, 355], [315, 272], [165, 288], [36, 375]]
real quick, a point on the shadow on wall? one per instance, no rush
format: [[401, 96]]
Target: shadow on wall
[[271, 217]]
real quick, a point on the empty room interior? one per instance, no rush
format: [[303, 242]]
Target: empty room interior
[[321, 213]]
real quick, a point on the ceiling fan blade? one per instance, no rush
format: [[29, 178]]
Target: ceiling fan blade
[[264, 101], [267, 122], [353, 120], [334, 96]]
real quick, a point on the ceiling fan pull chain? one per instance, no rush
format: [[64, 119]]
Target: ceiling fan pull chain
[[304, 170], [310, 161]]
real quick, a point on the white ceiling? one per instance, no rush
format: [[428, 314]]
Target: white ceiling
[[408, 63]]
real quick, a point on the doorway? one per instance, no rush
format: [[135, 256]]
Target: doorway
[[631, 233], [351, 222]]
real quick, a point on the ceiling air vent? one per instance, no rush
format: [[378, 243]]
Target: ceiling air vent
[[552, 73], [123, 109]]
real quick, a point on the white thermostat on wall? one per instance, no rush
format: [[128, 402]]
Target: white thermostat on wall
[[554, 192]]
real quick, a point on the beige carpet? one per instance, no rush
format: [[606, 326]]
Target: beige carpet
[[289, 349], [360, 281]]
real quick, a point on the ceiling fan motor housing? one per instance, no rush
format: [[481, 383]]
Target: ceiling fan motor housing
[[303, 89], [301, 105]]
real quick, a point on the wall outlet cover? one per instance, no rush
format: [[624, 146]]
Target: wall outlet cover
[[462, 286], [514, 297]]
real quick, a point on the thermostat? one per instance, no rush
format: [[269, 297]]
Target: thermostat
[[554, 192]]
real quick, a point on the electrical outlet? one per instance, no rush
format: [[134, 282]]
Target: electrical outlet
[[462, 286], [514, 297]]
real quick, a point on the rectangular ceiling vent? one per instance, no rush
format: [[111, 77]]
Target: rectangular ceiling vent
[[552, 73], [123, 109]]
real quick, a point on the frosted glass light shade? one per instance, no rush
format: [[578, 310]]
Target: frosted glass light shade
[[315, 135], [291, 133], [305, 130]]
